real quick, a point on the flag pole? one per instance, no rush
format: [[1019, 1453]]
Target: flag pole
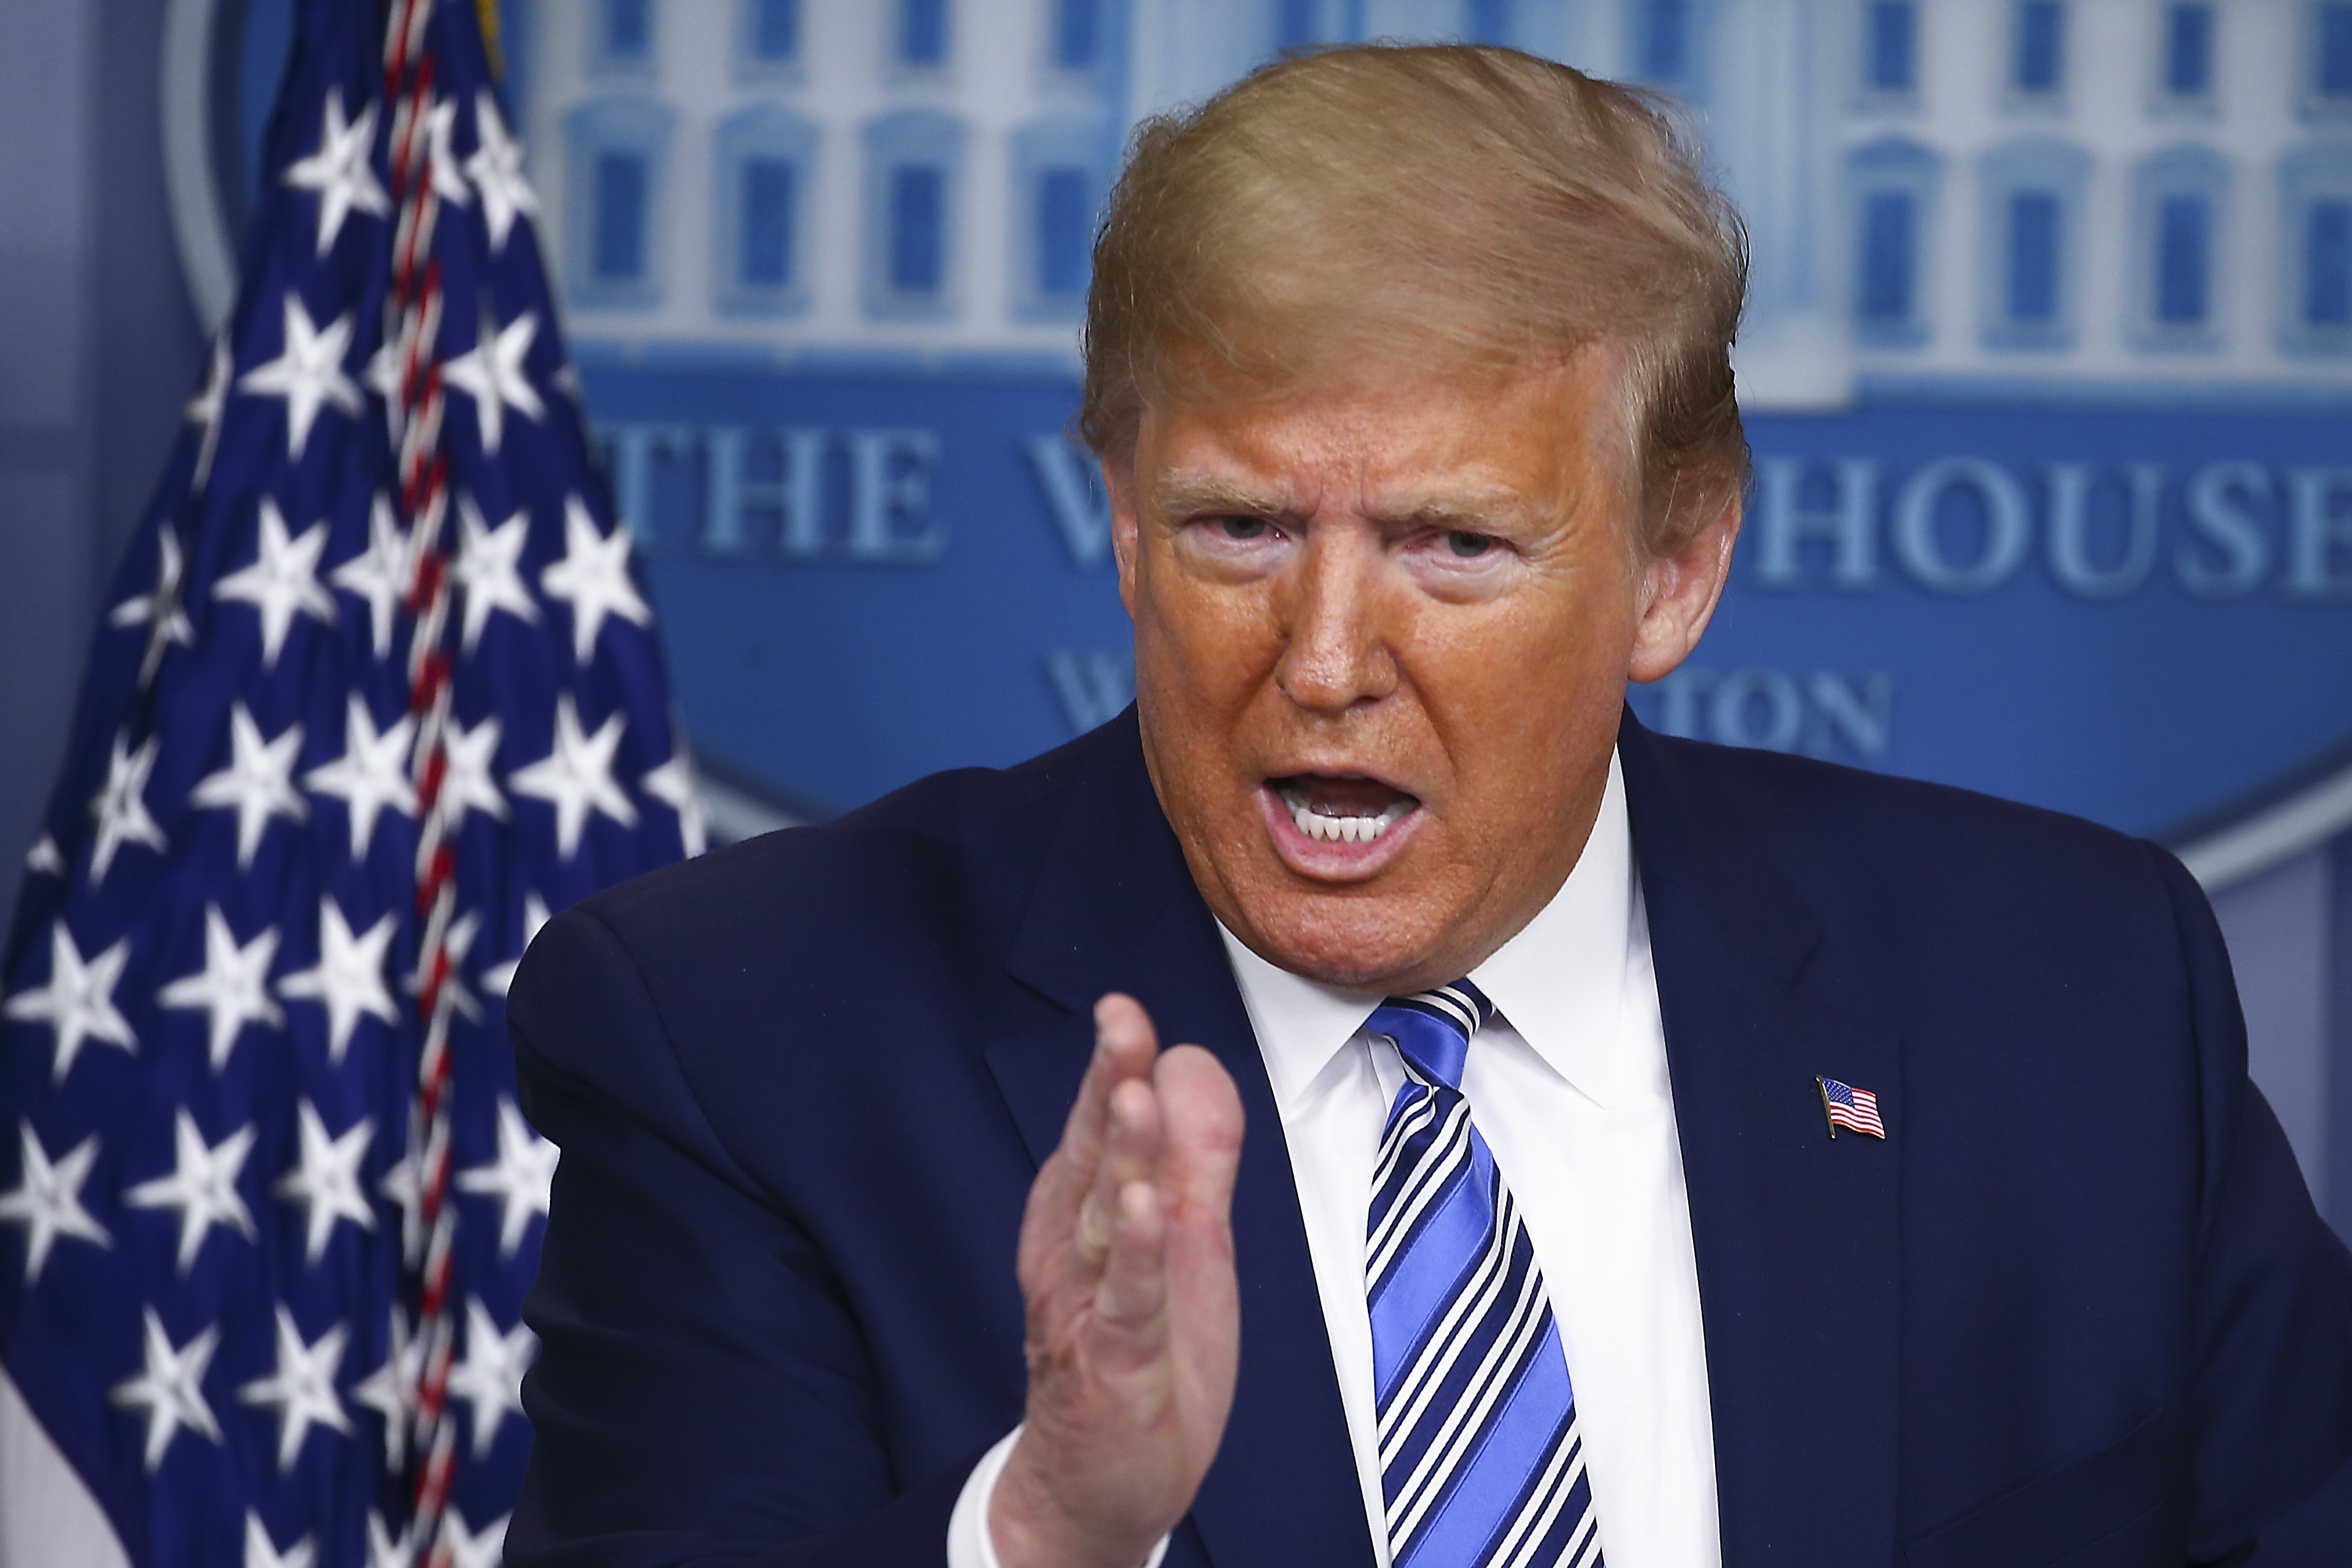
[[415, 308]]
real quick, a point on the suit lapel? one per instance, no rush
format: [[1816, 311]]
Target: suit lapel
[[1797, 1235], [1115, 909]]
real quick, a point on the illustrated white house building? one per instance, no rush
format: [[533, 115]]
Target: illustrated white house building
[[2117, 198]]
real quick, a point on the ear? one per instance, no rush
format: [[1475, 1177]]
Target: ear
[[1679, 591], [1119, 484]]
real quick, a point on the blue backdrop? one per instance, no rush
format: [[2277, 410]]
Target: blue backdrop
[[2052, 497], [2048, 367]]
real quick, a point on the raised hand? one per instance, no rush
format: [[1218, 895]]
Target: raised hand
[[1127, 1267]]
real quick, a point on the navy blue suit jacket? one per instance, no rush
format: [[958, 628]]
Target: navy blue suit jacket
[[2076, 1308]]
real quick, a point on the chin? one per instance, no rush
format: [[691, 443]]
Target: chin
[[1354, 943]]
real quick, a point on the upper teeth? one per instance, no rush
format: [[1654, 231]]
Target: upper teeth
[[1344, 829]]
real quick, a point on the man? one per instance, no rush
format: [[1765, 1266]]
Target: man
[[1499, 1213]]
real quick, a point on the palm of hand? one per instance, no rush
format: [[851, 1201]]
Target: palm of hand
[[1127, 1267]]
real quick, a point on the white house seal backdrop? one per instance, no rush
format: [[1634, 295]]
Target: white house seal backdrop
[[2048, 369]]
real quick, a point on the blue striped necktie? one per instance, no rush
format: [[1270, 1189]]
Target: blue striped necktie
[[1480, 1458]]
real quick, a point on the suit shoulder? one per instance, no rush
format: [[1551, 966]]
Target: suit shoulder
[[1878, 826], [1966, 918], [957, 847]]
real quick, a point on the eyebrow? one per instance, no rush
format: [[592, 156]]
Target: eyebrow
[[1473, 508], [1191, 492]]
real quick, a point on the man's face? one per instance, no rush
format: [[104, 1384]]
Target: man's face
[[1382, 632]]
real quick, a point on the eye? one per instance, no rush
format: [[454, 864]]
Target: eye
[[1460, 541], [1243, 528]]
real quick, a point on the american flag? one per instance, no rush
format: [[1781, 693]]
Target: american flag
[[377, 688], [1848, 1107]]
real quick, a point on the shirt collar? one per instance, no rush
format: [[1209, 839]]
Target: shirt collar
[[1560, 981]]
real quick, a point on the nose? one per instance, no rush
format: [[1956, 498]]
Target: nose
[[1335, 655]]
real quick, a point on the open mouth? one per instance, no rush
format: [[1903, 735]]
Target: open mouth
[[1331, 809]]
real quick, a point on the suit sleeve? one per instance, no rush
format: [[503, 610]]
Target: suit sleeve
[[702, 1394], [2272, 1391]]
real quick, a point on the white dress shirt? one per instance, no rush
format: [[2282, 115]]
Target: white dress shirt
[[1568, 1085]]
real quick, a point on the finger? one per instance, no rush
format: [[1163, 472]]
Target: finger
[[1202, 1143], [1201, 1125], [1125, 1042], [1125, 1045], [1131, 1150], [1124, 1035], [1131, 1299]]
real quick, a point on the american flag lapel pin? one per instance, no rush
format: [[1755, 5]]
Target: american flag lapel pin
[[1855, 1109]]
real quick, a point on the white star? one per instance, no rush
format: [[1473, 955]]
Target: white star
[[79, 1001], [340, 171], [308, 372], [260, 1553], [487, 568], [403, 1183], [120, 805], [160, 609], [348, 978], [43, 858], [302, 1389], [170, 1387], [593, 576], [440, 133], [672, 784], [500, 978], [521, 1178], [472, 1549], [496, 169], [381, 574], [370, 774], [390, 1391], [282, 580], [576, 776], [385, 1550], [326, 1179], [468, 783], [257, 783], [46, 1200], [202, 1185], [492, 374], [233, 986], [491, 1377], [205, 408]]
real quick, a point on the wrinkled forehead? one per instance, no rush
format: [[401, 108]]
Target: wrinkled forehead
[[1459, 415]]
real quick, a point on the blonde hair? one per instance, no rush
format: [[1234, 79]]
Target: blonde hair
[[1461, 203]]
